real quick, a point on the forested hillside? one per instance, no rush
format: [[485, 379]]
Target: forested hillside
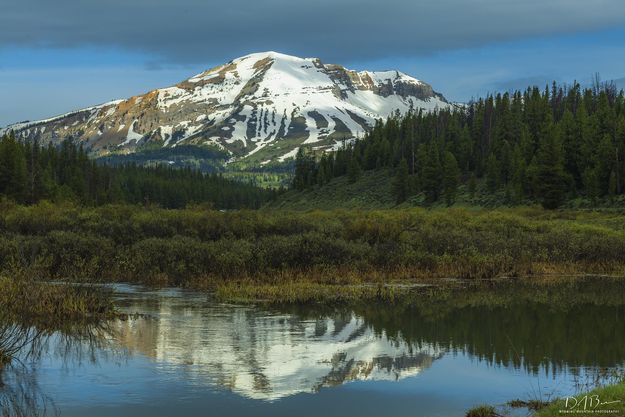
[[30, 173], [548, 147], [534, 146]]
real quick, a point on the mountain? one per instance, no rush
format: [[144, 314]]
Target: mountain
[[620, 83], [261, 107]]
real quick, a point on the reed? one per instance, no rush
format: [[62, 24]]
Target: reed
[[204, 248]]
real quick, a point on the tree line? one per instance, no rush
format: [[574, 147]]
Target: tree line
[[30, 172], [535, 145]]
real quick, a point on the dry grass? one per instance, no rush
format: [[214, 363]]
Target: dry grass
[[29, 308], [29, 301]]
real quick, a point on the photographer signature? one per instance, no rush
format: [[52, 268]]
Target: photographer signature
[[587, 402]]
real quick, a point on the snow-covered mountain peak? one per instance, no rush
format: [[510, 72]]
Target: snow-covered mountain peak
[[261, 107]]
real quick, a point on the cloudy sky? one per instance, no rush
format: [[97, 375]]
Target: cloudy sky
[[56, 56]]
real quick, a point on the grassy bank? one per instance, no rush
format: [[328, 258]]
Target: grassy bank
[[608, 400], [256, 251], [604, 400]]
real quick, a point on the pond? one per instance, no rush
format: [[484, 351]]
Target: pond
[[435, 355]]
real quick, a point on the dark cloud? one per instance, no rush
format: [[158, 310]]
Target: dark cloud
[[195, 31]]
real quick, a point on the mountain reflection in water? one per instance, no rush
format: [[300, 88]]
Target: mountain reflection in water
[[268, 356]]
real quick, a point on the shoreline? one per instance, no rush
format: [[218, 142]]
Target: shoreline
[[307, 292]]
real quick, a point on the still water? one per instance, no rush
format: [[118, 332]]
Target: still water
[[185, 355]]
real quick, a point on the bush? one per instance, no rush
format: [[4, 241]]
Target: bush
[[177, 246]]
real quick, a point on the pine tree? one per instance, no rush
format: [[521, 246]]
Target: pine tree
[[604, 162], [550, 176], [472, 186], [451, 175], [303, 167], [401, 182], [493, 173], [612, 186], [519, 176], [591, 184], [571, 138], [353, 170], [13, 169], [431, 181], [321, 175]]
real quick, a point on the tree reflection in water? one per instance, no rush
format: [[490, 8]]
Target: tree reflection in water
[[567, 324], [21, 396], [21, 346]]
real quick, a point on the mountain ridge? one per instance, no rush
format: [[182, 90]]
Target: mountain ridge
[[260, 107]]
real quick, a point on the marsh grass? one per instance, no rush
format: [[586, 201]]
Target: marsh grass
[[207, 249], [344, 285], [482, 411], [27, 301], [612, 397], [298, 292], [532, 405]]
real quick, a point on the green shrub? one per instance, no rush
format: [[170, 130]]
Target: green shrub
[[482, 411], [177, 246]]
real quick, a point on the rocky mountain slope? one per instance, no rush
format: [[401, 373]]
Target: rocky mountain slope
[[261, 107]]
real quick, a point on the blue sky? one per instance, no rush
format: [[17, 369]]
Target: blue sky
[[67, 54]]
